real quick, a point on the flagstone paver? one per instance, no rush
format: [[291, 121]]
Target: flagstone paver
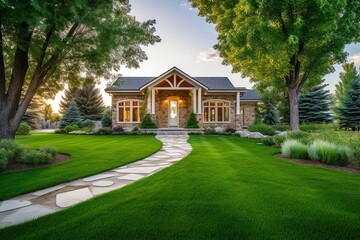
[[49, 200]]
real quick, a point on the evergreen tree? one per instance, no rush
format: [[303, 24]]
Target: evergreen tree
[[314, 107], [106, 120], [147, 122], [270, 116], [32, 115], [350, 73], [192, 122], [88, 99], [72, 115], [349, 114]]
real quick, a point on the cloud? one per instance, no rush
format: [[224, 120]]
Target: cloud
[[187, 5], [211, 55], [355, 58]]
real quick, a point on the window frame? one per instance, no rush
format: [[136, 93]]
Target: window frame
[[131, 106], [216, 109]]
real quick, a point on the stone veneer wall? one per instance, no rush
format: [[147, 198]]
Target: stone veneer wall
[[115, 99], [248, 110], [162, 107]]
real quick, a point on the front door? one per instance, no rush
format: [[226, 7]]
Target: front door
[[173, 113]]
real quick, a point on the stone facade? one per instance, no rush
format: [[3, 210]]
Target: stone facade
[[161, 116]]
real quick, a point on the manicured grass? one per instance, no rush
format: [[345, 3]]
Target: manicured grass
[[89, 155], [227, 188]]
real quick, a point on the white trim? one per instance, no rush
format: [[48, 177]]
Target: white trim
[[153, 101], [131, 109], [161, 77], [194, 99], [229, 91], [238, 103], [148, 107], [216, 112], [199, 101], [171, 85], [178, 85]]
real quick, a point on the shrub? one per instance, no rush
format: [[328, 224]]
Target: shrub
[[147, 122], [106, 121], [269, 141], [49, 150], [135, 129], [230, 130], [262, 128], [59, 131], [104, 131], [118, 129], [294, 149], [278, 140], [329, 153], [4, 159], [71, 128], [210, 130], [281, 128], [87, 124], [35, 157], [301, 136], [319, 127], [192, 122], [14, 150], [79, 132], [23, 129]]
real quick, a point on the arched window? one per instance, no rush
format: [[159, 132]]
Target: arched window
[[216, 110], [129, 111]]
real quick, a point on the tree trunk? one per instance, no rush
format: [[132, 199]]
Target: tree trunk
[[8, 127], [294, 109]]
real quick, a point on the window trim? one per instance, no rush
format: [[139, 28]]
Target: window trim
[[140, 102], [216, 110]]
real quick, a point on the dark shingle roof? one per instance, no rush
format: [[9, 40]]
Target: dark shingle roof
[[250, 95], [135, 83]]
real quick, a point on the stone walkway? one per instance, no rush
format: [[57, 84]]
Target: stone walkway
[[46, 201]]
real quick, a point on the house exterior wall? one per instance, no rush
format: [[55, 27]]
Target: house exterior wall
[[160, 117]]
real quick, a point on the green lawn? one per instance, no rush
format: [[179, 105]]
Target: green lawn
[[89, 155], [227, 188]]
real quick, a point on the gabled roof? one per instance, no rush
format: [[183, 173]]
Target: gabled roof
[[250, 95]]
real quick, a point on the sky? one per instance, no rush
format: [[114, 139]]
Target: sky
[[186, 42]]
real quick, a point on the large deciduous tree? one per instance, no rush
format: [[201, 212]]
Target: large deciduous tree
[[45, 44], [284, 43]]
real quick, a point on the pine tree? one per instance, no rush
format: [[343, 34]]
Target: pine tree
[[88, 99], [270, 116], [72, 115], [349, 114], [314, 107], [192, 122], [148, 122]]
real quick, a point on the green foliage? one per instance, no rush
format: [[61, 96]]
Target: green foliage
[[14, 149], [285, 44], [87, 98], [72, 115], [329, 153], [147, 122], [210, 130], [34, 111], [270, 116], [87, 124], [314, 107], [71, 128], [23, 129], [106, 120], [192, 122], [319, 127], [349, 74], [104, 131], [349, 114], [294, 149], [262, 128], [35, 157], [4, 159], [301, 136], [268, 141], [278, 140], [281, 128], [49, 150]]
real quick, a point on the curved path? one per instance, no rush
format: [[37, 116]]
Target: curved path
[[39, 203]]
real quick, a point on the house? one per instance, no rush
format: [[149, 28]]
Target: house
[[172, 96]]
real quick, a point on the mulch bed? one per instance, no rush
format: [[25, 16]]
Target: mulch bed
[[14, 166], [348, 168]]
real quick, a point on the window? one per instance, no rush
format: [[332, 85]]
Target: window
[[216, 111], [129, 111]]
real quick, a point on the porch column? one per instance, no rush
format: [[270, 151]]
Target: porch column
[[199, 101], [238, 103], [148, 107], [194, 99], [153, 101]]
